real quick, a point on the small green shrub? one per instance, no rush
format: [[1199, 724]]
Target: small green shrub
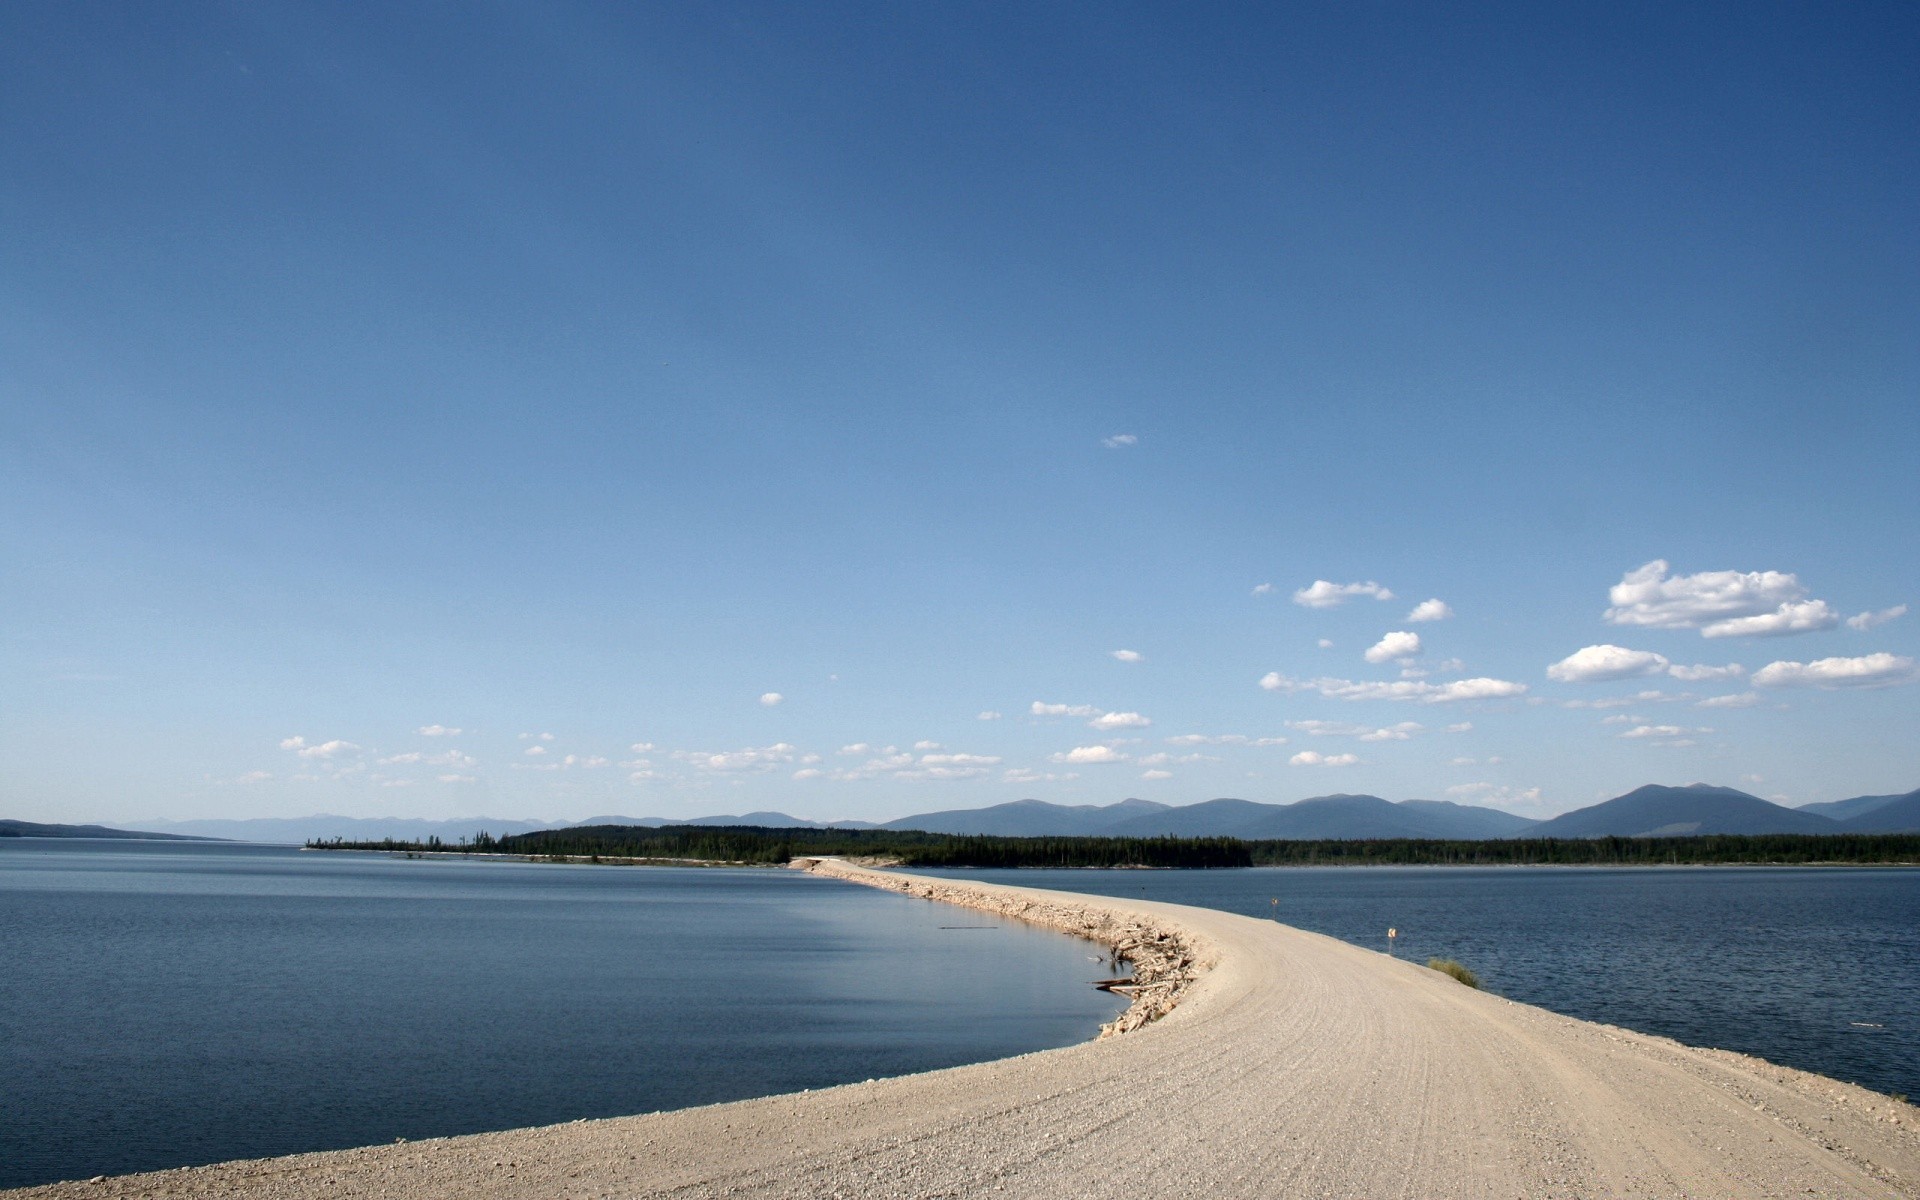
[[1448, 966]]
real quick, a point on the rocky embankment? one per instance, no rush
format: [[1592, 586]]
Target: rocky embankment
[[1166, 958]]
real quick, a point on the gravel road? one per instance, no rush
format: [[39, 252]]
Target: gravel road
[[1296, 1066]]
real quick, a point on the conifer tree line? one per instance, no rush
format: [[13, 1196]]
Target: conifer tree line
[[755, 845]]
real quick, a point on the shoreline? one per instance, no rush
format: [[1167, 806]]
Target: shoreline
[[1292, 1064]]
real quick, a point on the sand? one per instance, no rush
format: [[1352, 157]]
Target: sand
[[1291, 1065]]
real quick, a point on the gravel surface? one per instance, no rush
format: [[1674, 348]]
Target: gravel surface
[[1292, 1065]]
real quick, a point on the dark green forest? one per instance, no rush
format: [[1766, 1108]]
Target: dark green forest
[[764, 846]]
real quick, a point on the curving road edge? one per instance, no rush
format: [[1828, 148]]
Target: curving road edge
[[1281, 1063]]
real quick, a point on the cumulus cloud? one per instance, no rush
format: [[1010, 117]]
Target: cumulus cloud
[[1717, 603], [456, 778], [437, 731], [1804, 616], [1430, 610], [1461, 727], [1737, 700], [1119, 720], [325, 751], [1207, 739], [1417, 690], [1595, 664], [255, 777], [1083, 755], [1397, 645], [449, 758], [1313, 758], [1500, 794], [809, 773], [534, 750], [1040, 708], [1324, 593], [771, 698], [1868, 620], [1120, 441], [1702, 673], [1263, 589], [1366, 733], [750, 759], [1664, 735], [988, 715], [1156, 775], [544, 737], [1869, 670], [1325, 643], [641, 747], [1129, 656]]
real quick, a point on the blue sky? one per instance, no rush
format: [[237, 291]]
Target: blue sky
[[780, 388]]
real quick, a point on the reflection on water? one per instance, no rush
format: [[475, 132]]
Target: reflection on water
[[164, 1004]]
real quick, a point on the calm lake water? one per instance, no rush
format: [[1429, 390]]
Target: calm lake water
[[1817, 968], [167, 1004]]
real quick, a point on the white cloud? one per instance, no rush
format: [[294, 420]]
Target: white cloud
[[1419, 690], [1737, 700], [1325, 643], [544, 737], [437, 731], [988, 715], [1029, 775], [1871, 670], [448, 758], [1042, 709], [1119, 720], [1156, 775], [1083, 755], [641, 747], [771, 698], [255, 777], [1462, 727], [1717, 603], [855, 749], [809, 773], [456, 778], [1263, 589], [1206, 739], [1664, 735], [1313, 758], [1430, 610], [1129, 656], [534, 750], [325, 751], [1323, 593], [1120, 441], [1804, 616], [960, 760], [1396, 645], [1366, 733], [1500, 794], [1704, 674], [752, 758], [924, 746], [1868, 620], [1594, 664]]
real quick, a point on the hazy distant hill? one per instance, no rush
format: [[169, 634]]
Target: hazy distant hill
[[1657, 811], [1339, 816], [324, 826], [1029, 818], [1319, 817], [1856, 806], [10, 828], [1899, 814]]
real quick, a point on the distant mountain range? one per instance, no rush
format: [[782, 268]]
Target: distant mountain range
[[34, 829], [1650, 811]]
